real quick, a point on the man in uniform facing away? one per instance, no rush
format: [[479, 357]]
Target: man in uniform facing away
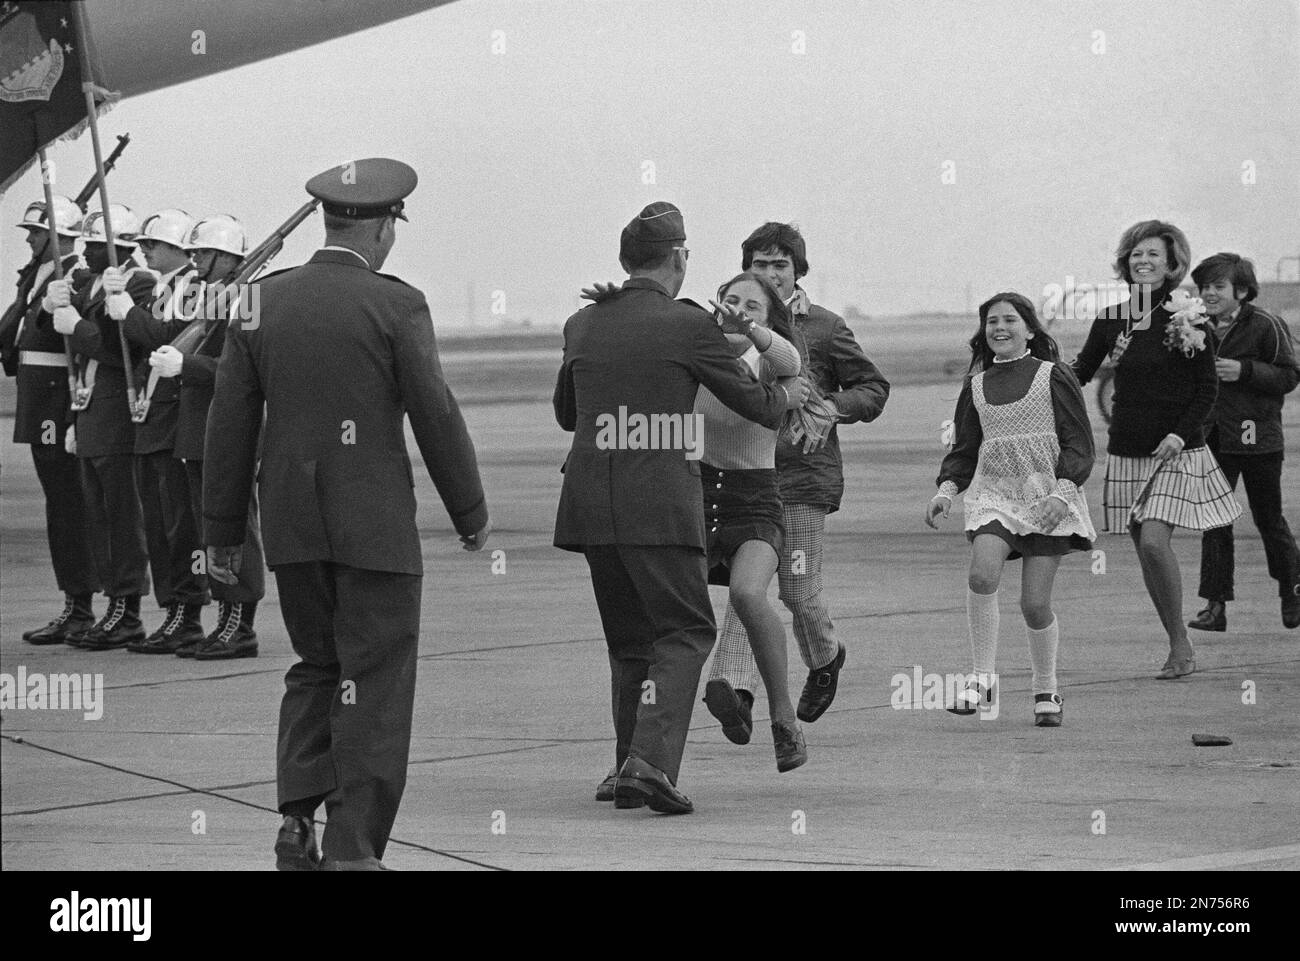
[[638, 514], [339, 353]]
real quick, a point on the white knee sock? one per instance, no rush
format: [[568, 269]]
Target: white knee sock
[[1042, 654], [982, 620]]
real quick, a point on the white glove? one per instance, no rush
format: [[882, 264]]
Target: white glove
[[65, 319], [119, 305], [114, 280], [166, 360], [57, 294], [70, 440]]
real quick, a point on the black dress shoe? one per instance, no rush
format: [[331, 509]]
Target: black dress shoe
[[819, 689], [640, 782], [1213, 618], [730, 708], [295, 845], [606, 790], [1291, 608], [359, 864]]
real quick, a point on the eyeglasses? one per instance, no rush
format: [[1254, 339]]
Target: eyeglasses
[[686, 253]]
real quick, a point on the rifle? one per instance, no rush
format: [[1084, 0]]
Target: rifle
[[196, 334]]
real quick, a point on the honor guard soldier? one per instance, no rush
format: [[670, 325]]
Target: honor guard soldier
[[34, 352], [339, 354], [171, 532], [103, 434], [217, 245]]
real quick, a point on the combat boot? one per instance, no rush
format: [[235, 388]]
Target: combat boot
[[76, 618], [119, 626], [180, 627], [234, 637]]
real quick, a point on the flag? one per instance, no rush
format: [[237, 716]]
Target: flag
[[40, 83]]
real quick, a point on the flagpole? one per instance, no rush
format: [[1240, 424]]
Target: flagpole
[[88, 87], [52, 243]]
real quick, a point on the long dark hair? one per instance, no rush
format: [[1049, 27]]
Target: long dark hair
[[1041, 345], [778, 314]]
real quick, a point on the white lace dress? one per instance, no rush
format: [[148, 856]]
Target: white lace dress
[[1018, 456]]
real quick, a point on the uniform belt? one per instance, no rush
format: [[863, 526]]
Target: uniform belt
[[42, 358]]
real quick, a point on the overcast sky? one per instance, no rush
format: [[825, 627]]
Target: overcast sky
[[1061, 122]]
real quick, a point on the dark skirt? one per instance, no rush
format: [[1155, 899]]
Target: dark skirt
[[1033, 545], [739, 506]]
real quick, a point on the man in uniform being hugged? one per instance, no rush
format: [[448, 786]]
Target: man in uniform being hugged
[[103, 434], [34, 352], [171, 532], [340, 354]]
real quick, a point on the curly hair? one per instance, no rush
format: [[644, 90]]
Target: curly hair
[[1177, 251]]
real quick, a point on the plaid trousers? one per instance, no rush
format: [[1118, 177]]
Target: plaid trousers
[[799, 577]]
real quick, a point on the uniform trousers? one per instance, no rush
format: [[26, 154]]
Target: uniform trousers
[[799, 576], [654, 607], [170, 531], [251, 584], [1262, 475], [345, 720], [65, 519], [115, 524]]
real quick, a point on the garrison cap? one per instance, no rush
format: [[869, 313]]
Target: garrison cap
[[364, 189], [660, 222]]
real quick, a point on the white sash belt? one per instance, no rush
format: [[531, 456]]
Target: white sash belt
[[42, 358]]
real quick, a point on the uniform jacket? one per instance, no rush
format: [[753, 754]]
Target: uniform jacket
[[645, 352], [1263, 344], [197, 379], [338, 354], [42, 391], [105, 427], [834, 362], [149, 327]]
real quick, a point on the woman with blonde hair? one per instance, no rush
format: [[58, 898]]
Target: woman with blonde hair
[[1159, 473]]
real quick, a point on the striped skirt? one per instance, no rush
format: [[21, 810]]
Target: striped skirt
[[1189, 491]]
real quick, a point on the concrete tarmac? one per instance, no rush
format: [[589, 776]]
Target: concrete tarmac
[[512, 729]]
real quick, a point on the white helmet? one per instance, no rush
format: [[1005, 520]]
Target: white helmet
[[170, 226], [219, 232], [125, 226], [67, 216]]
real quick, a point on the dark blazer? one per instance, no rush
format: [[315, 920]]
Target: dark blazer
[[834, 362], [42, 391], [105, 427], [648, 353], [149, 332], [1263, 344], [338, 354]]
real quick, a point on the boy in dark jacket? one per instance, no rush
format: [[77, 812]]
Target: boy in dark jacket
[[812, 483], [1257, 367]]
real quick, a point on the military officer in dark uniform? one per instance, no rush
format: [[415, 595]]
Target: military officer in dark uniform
[[217, 245], [103, 434], [171, 529], [338, 354], [638, 514], [34, 352]]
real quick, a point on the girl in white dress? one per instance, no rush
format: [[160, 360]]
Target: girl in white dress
[[1022, 452]]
